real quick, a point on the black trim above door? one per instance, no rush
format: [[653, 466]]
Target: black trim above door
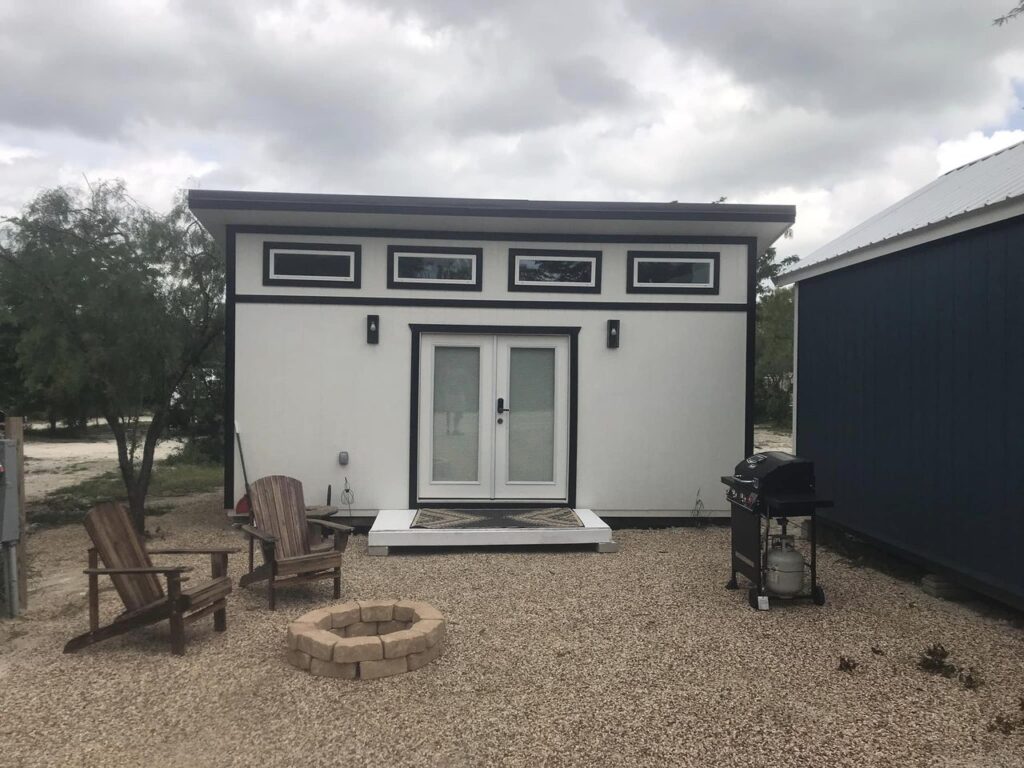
[[418, 329]]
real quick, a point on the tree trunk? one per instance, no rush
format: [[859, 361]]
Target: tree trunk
[[156, 428], [137, 508], [136, 503], [136, 483]]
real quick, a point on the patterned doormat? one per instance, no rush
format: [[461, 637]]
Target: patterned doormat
[[552, 517]]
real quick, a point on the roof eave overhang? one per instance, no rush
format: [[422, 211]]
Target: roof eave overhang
[[953, 225], [217, 210]]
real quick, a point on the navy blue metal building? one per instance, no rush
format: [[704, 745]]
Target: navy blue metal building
[[910, 375]]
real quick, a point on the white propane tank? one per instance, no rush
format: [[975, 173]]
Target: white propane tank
[[785, 568]]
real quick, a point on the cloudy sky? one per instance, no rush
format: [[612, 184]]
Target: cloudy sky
[[838, 107]]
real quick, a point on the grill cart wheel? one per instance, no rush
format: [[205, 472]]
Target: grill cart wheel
[[818, 595], [752, 597]]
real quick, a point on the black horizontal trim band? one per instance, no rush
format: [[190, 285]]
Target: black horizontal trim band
[[441, 206], [388, 301], [520, 237], [525, 330]]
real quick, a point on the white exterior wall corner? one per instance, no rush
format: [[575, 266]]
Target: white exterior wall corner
[[659, 419], [796, 362]]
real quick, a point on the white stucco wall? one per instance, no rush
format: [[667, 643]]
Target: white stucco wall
[[659, 418]]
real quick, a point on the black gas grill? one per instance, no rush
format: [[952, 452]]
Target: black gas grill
[[765, 491]]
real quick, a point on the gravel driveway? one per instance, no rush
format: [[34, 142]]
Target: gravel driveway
[[553, 658]]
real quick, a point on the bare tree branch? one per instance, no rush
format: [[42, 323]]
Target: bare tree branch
[[1010, 15]]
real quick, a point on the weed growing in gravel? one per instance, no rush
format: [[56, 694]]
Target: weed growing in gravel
[[846, 664], [1007, 724], [934, 660], [971, 679]]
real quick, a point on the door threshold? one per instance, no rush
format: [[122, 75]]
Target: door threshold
[[393, 528], [492, 504]]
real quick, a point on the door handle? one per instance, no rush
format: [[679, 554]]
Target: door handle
[[501, 406]]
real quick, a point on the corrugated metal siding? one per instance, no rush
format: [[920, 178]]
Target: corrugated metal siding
[[911, 401], [992, 179]]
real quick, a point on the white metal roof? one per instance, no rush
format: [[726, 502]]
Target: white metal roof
[[979, 193]]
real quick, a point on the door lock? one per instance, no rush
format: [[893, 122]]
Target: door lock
[[501, 408]]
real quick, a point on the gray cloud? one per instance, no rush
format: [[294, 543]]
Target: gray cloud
[[586, 80], [639, 99], [846, 58]]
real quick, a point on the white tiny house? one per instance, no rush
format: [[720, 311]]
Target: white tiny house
[[490, 352]]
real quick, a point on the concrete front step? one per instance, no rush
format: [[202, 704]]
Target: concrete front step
[[392, 528]]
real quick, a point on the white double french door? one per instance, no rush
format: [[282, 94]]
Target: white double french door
[[493, 417]]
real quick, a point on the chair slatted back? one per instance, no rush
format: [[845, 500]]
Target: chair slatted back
[[118, 546], [280, 509]]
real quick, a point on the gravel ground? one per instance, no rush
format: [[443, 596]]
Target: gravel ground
[[553, 658]]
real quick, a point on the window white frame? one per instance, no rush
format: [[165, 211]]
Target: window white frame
[[272, 250], [398, 252], [635, 259], [517, 255]]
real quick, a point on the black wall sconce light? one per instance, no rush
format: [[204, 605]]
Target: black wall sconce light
[[372, 329], [613, 334]]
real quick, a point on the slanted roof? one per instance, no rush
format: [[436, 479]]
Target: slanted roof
[[981, 192], [218, 209]]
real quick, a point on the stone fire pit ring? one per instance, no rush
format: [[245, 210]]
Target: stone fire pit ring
[[366, 639]]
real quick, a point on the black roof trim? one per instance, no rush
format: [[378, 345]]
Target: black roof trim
[[215, 199]]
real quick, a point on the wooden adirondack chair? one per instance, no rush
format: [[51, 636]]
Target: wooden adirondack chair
[[281, 526], [127, 561]]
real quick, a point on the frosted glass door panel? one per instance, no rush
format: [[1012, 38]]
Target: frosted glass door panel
[[456, 414], [455, 430], [531, 437], [531, 417]]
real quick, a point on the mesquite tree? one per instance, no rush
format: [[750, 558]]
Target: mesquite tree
[[115, 302]]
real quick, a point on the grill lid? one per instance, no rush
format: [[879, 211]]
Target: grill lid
[[775, 472]]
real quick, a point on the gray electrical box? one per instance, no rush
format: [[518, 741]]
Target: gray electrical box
[[9, 512]]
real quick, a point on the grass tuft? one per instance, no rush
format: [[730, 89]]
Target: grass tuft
[[69, 504]]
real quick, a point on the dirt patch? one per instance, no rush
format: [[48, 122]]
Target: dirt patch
[[769, 439], [54, 464]]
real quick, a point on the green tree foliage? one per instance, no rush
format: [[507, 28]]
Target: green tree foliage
[[774, 362], [769, 267], [114, 308]]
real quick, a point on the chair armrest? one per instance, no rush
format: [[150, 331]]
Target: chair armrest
[[321, 511], [199, 551], [257, 533], [147, 569], [330, 524]]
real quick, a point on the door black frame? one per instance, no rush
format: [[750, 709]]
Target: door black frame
[[418, 329]]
